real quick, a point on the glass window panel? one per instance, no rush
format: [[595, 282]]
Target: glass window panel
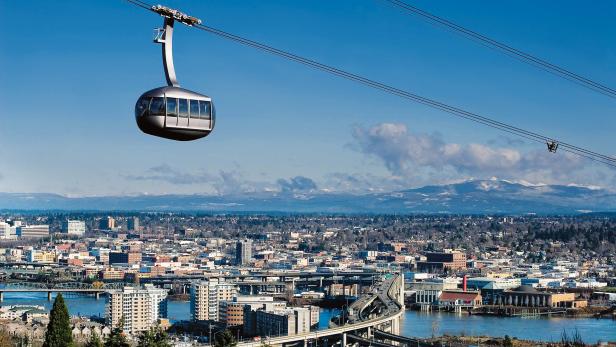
[[172, 107], [183, 106], [204, 107], [142, 106], [157, 107], [194, 109]]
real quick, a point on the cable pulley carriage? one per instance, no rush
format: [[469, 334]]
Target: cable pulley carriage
[[552, 146], [173, 112]]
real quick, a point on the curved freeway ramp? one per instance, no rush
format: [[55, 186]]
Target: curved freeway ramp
[[367, 342], [384, 293], [397, 338]]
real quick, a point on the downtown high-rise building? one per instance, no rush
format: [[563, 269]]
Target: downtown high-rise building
[[206, 298], [139, 308], [133, 224], [243, 252], [74, 227], [107, 223]]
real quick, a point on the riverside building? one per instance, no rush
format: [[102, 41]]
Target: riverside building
[[139, 308], [290, 321], [207, 296]]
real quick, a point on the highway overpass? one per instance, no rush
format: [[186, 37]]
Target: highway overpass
[[388, 296]]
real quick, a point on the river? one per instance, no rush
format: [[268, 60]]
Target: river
[[414, 324]]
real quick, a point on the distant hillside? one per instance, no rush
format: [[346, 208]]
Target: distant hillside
[[480, 196]]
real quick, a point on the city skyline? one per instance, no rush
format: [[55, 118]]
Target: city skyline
[[313, 277]]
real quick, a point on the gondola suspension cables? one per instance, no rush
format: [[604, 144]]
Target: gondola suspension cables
[[504, 48]]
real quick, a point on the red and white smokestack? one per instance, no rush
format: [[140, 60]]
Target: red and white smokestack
[[464, 283]]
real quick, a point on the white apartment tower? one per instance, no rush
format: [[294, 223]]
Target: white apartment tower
[[139, 307], [206, 297]]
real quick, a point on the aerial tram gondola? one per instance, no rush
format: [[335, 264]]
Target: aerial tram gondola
[[173, 112]]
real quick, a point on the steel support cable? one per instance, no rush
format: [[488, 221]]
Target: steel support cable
[[141, 4], [404, 94], [511, 51], [392, 90], [587, 156]]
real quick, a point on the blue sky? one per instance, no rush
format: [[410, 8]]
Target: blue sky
[[72, 71]]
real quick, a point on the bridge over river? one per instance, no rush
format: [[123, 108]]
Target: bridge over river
[[67, 287]]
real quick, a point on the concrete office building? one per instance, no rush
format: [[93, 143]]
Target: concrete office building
[[232, 311], [442, 261], [140, 308], [33, 231], [38, 256], [7, 231], [243, 252], [290, 321], [74, 227], [250, 313], [206, 297], [124, 258]]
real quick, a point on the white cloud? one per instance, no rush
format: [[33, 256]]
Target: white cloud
[[429, 158], [296, 184], [225, 182]]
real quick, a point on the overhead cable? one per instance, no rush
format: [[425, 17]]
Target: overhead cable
[[504, 48]]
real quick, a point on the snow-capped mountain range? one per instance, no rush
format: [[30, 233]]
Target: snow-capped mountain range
[[470, 197]]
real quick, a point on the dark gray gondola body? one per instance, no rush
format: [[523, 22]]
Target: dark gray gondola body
[[175, 113]]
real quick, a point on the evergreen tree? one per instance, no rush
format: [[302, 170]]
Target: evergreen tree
[[155, 337], [117, 337], [59, 328], [5, 339], [23, 340], [94, 341], [224, 339]]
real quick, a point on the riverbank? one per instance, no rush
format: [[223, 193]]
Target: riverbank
[[513, 311], [459, 341], [509, 311]]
